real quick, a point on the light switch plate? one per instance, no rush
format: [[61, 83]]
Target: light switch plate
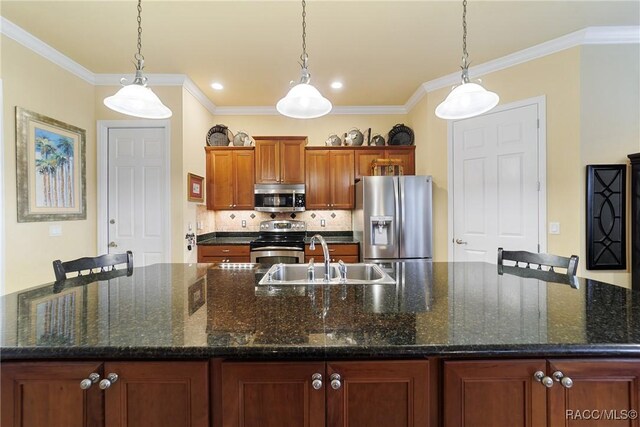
[[554, 228], [244, 223], [323, 223], [55, 230]]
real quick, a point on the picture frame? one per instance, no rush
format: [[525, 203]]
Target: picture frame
[[195, 188], [50, 169], [606, 220]]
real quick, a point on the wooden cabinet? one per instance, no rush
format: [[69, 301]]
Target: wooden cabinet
[[386, 393], [163, 394], [348, 252], [505, 392], [280, 160], [223, 253], [329, 178], [365, 155], [230, 178]]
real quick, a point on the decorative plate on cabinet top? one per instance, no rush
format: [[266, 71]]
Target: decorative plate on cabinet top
[[219, 135], [354, 137], [401, 135], [377, 140], [242, 139], [333, 140]]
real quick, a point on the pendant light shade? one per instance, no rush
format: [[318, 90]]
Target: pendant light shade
[[136, 99], [467, 99], [303, 101]]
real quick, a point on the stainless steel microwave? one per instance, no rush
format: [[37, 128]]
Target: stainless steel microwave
[[279, 197]]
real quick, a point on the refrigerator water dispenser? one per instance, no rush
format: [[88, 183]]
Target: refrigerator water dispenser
[[381, 230]]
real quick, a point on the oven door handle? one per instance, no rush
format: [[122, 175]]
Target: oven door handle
[[277, 248]]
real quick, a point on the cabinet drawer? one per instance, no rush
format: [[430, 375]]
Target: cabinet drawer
[[221, 259], [334, 250], [223, 250], [349, 259]]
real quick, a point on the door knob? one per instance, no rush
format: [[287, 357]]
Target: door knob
[[335, 381], [316, 382], [113, 245], [460, 242], [112, 221], [108, 382], [88, 382]]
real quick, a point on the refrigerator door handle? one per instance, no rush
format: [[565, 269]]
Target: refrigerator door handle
[[399, 198]]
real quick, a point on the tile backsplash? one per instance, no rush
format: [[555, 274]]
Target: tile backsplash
[[337, 220]]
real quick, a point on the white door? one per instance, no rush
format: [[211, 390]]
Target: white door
[[137, 194], [495, 184]]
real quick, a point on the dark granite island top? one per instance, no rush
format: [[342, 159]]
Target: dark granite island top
[[203, 310]]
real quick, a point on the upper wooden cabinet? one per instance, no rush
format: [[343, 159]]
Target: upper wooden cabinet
[[230, 178], [280, 159], [329, 178], [365, 155]]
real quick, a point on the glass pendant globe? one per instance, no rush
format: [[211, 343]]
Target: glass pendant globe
[[304, 102], [139, 101], [465, 101]]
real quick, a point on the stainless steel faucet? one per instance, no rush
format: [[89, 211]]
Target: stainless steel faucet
[[325, 253], [311, 270]]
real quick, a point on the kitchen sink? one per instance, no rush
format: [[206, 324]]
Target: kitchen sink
[[298, 274]]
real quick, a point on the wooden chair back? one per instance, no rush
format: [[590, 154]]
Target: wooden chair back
[[540, 260], [92, 265]]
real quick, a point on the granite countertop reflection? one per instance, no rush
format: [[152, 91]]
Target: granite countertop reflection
[[209, 310]]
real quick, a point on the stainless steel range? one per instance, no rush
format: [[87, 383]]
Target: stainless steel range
[[279, 241]]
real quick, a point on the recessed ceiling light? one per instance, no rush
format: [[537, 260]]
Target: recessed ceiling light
[[336, 85], [217, 86]]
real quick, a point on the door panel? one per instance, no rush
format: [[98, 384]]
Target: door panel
[[292, 161], [363, 159], [220, 189], [49, 394], [272, 394], [406, 156], [495, 182], [161, 394], [342, 179], [389, 393], [137, 191], [267, 161], [243, 178], [606, 386], [416, 217], [318, 186], [494, 393]]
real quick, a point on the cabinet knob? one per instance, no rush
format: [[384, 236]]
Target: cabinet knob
[[542, 378], [562, 379], [108, 382], [335, 381], [86, 383], [316, 382], [231, 205]]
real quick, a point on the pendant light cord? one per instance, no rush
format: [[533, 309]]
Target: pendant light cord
[[139, 56], [465, 54], [304, 57]]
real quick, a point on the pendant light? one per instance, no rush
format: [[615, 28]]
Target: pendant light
[[136, 99], [303, 100], [467, 99]]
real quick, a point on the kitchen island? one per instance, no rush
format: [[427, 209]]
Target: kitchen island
[[439, 327]]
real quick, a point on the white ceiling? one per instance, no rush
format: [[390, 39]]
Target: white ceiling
[[381, 50]]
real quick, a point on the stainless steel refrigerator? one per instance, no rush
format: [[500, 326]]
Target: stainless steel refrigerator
[[393, 217]]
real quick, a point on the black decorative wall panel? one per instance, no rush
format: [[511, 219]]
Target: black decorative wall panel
[[635, 220], [606, 217]]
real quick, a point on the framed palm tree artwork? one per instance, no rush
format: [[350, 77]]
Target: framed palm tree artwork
[[50, 169]]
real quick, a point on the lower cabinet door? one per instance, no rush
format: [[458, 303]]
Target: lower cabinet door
[[272, 394], [159, 394], [48, 394], [384, 393], [594, 392], [500, 393]]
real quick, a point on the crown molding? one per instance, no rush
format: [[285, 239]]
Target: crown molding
[[586, 36], [590, 36], [29, 41]]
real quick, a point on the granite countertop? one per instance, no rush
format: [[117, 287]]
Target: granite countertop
[[212, 239], [205, 310]]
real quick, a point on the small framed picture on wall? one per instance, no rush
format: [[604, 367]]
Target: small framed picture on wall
[[195, 188]]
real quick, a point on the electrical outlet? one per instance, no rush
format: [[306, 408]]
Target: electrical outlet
[[554, 228], [244, 223], [323, 223]]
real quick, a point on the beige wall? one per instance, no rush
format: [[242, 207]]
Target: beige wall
[[609, 125], [197, 122], [318, 130], [36, 84]]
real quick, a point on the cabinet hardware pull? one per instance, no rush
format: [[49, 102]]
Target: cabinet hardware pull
[[226, 250], [86, 383], [562, 379], [335, 381], [316, 382], [542, 378], [108, 382]]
